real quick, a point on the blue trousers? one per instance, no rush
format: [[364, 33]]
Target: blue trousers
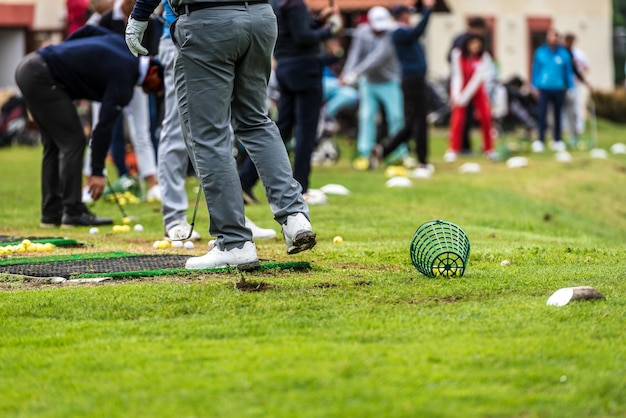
[[557, 98]]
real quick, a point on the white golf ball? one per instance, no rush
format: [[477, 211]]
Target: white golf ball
[[93, 230], [138, 227], [177, 244], [188, 245], [505, 263]]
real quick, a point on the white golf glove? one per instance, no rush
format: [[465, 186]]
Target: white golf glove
[[335, 22], [134, 34]]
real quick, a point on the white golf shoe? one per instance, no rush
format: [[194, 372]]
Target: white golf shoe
[[258, 232], [537, 146], [180, 232], [298, 234], [244, 258]]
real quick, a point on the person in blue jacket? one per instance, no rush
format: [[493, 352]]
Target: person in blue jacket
[[552, 76], [91, 64]]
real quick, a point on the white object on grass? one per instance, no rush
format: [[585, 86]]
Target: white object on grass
[[337, 189], [505, 262], [517, 162], [564, 296], [177, 244], [398, 181], [188, 245], [563, 157], [599, 153], [138, 227], [618, 148], [469, 168], [93, 230]]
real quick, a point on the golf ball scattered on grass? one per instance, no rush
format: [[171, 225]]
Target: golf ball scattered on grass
[[505, 262], [188, 245], [161, 245], [126, 220], [26, 246], [337, 240], [138, 227], [93, 230], [177, 244], [121, 228]]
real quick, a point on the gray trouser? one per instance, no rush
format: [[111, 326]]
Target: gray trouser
[[62, 136], [222, 70], [173, 157]]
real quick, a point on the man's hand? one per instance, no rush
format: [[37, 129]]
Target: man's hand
[[429, 4], [327, 12], [96, 185], [134, 34], [335, 22]]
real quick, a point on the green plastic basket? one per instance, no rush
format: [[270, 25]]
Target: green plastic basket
[[440, 248]]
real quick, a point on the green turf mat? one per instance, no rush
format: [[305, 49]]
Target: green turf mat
[[120, 265]]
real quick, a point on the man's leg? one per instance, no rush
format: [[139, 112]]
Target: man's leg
[[367, 119], [543, 114], [173, 157], [308, 107], [558, 99], [55, 112]]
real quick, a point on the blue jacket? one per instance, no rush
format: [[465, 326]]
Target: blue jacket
[[552, 69], [94, 63], [408, 48]]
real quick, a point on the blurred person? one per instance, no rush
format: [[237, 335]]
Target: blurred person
[[222, 70], [77, 14], [471, 69], [475, 26], [299, 66], [172, 153], [373, 63], [92, 64], [552, 76], [136, 114], [576, 97], [406, 40]]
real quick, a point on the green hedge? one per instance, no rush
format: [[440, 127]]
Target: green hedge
[[611, 105]]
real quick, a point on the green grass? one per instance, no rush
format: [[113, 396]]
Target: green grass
[[362, 334]]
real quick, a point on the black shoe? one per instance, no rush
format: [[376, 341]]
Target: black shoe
[[84, 219], [50, 223]]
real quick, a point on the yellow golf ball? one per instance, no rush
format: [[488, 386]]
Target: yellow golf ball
[[337, 240]]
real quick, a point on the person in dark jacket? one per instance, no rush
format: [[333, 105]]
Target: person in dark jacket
[[299, 70], [414, 90], [91, 64]]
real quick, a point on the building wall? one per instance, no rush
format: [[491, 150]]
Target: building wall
[[590, 21], [49, 14]]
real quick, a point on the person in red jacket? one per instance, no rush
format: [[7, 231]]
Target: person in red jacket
[[77, 14], [472, 68]]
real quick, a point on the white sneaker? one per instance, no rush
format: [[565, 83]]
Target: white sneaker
[[180, 231], [558, 146], [298, 234], [259, 233], [244, 258], [154, 193], [449, 156], [537, 146], [423, 172], [315, 197]]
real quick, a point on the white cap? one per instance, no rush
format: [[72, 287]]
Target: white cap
[[380, 19]]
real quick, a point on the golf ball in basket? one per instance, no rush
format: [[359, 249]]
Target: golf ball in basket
[[337, 240], [138, 227], [93, 230], [188, 245], [177, 244]]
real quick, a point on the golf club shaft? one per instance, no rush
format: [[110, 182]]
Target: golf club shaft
[[195, 211], [115, 197]]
